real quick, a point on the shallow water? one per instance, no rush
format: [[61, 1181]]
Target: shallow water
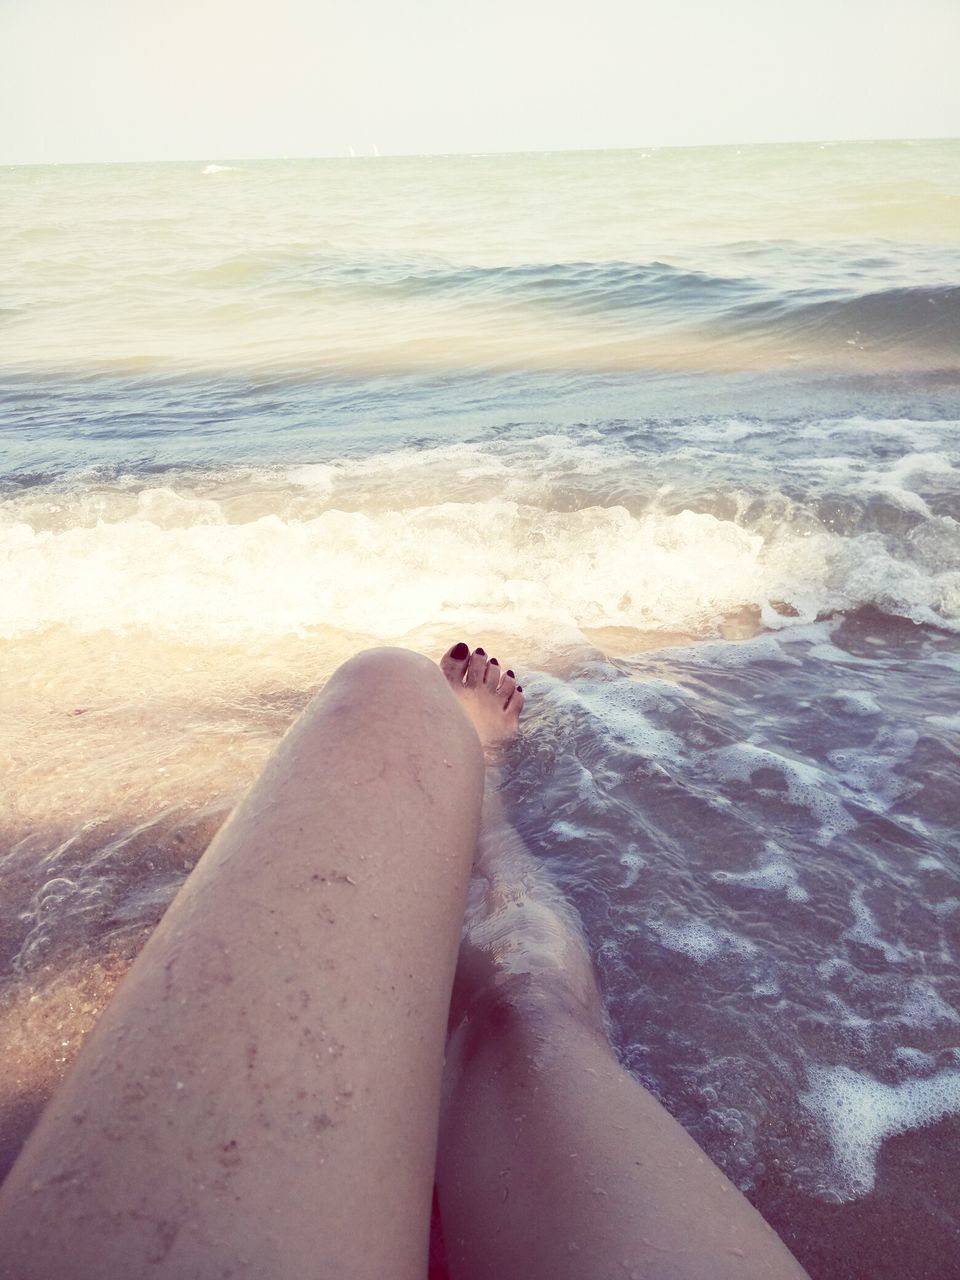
[[675, 432]]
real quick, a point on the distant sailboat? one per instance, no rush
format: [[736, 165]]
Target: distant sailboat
[[376, 149], [353, 154]]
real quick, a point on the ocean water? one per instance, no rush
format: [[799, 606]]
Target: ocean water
[[675, 433]]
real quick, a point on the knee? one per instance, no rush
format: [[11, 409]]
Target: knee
[[521, 1018], [387, 668], [393, 683]]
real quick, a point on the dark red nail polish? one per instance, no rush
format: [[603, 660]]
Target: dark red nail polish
[[459, 651], [494, 662], [519, 688], [509, 672], [482, 652]]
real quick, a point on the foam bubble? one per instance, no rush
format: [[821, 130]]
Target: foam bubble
[[871, 772], [318, 476], [924, 1007], [567, 832], [620, 707], [632, 861], [856, 702], [866, 931], [720, 655], [776, 875], [896, 482], [914, 1059], [832, 966], [700, 941], [859, 1112], [805, 784]]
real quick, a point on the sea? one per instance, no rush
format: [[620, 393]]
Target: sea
[[674, 433]]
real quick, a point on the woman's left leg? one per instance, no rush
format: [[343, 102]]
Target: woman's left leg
[[260, 1098]]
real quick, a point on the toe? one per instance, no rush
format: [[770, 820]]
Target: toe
[[476, 667], [508, 684], [491, 675], [515, 705], [453, 664]]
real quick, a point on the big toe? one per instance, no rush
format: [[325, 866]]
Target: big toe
[[453, 664]]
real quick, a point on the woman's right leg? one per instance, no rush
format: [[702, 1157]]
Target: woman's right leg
[[260, 1098], [554, 1162]]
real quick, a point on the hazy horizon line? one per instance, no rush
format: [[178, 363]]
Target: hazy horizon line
[[442, 155]]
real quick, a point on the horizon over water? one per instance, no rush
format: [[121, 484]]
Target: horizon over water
[[220, 159], [674, 431]]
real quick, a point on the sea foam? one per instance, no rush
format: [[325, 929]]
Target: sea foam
[[361, 547], [859, 1113]]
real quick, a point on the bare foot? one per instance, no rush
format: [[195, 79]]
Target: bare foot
[[520, 933], [491, 697]]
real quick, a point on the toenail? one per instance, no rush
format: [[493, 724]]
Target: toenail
[[519, 688], [509, 672], [494, 662], [482, 653], [459, 651]]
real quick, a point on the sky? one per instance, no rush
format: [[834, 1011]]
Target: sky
[[111, 80]]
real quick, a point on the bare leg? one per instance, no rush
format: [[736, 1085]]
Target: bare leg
[[554, 1162], [260, 1099]]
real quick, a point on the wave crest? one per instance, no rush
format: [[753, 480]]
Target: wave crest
[[175, 563]]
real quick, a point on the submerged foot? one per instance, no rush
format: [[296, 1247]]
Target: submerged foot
[[490, 696], [522, 939]]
